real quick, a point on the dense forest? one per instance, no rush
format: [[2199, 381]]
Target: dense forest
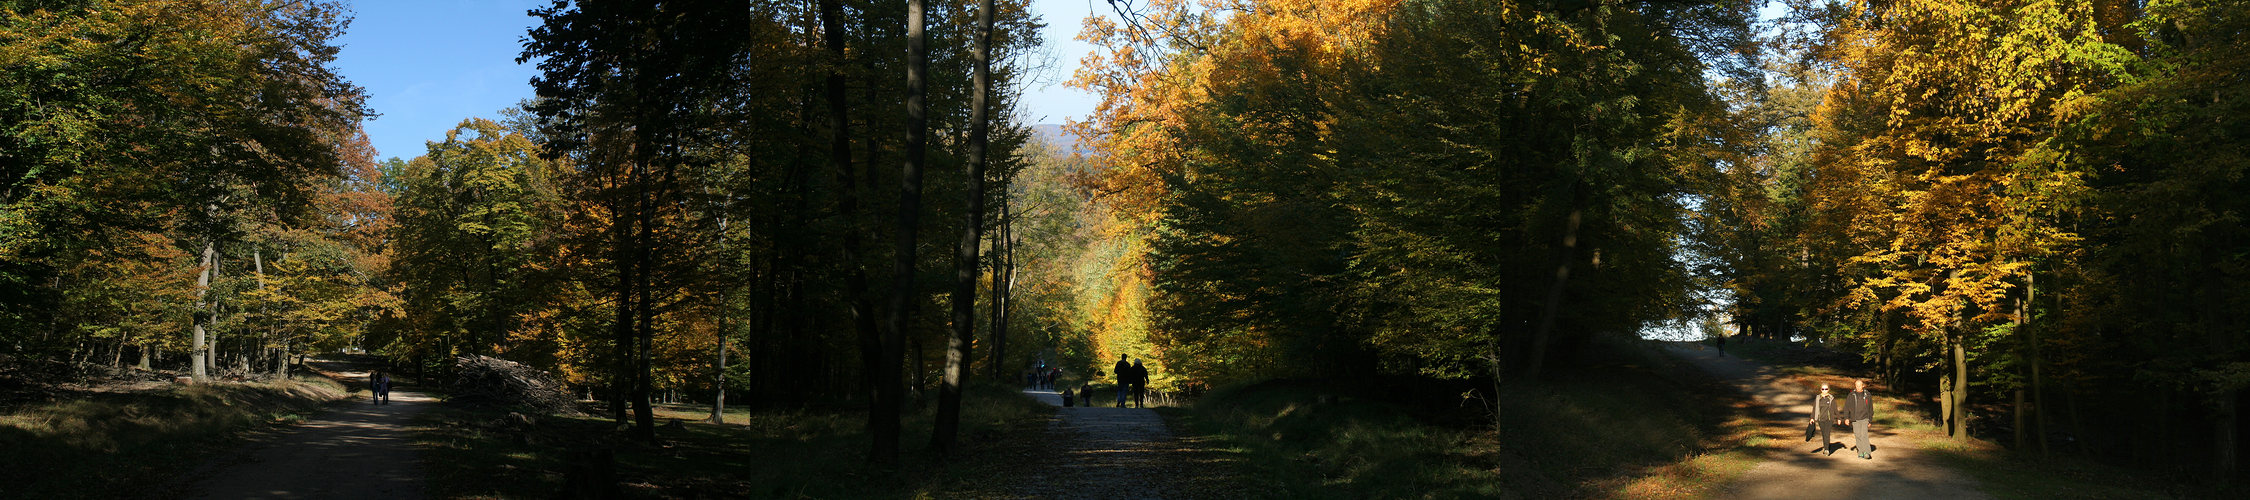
[[2032, 210]]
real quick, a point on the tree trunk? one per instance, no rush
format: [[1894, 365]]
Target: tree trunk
[[622, 383], [1960, 418], [2223, 436], [719, 382], [2019, 422], [1003, 273], [888, 395], [847, 202], [972, 234], [2038, 385], [644, 415], [921, 378], [1549, 312], [280, 354], [200, 352], [2227, 397]]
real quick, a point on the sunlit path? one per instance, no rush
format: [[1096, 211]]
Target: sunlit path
[[1793, 469]]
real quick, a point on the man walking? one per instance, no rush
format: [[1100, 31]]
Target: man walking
[[1124, 371], [1824, 415], [1860, 408]]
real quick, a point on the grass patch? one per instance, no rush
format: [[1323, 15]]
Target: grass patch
[[1621, 423], [2008, 476], [118, 444], [757, 454]]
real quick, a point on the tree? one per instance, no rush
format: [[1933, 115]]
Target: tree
[[1927, 139], [161, 116], [965, 259], [888, 395], [468, 218]]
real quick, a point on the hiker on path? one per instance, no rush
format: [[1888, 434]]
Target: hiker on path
[[1860, 408], [1722, 345], [1124, 371], [1140, 383], [1825, 417], [380, 385]]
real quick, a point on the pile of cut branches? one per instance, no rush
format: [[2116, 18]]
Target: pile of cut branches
[[490, 381]]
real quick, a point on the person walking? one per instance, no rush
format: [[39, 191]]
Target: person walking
[[380, 385], [1825, 417], [1140, 383], [1124, 371], [1860, 409]]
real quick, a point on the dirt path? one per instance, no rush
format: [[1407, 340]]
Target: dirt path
[[360, 451], [1121, 453], [1795, 468]]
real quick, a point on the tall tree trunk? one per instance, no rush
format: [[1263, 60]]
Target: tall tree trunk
[[921, 372], [972, 234], [1003, 270], [1552, 309], [622, 383], [280, 354], [726, 334], [644, 414], [1959, 427], [2023, 336], [199, 354], [2038, 384], [2226, 400], [888, 394], [847, 207]]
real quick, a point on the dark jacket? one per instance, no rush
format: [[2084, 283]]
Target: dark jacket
[[1824, 408], [1859, 406]]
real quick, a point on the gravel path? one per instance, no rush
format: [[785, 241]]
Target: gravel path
[[1794, 468], [1121, 453], [364, 451]]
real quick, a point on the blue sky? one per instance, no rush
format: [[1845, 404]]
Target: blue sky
[[427, 65]]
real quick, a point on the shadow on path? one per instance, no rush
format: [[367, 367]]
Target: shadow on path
[[355, 450], [1120, 453]]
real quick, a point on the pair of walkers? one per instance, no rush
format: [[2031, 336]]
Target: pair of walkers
[[1857, 410], [379, 387], [1132, 380]]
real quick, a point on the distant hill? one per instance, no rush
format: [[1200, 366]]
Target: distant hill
[[1054, 136]]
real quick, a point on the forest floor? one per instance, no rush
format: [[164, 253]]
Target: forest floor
[[1100, 452], [1793, 467], [355, 450]]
